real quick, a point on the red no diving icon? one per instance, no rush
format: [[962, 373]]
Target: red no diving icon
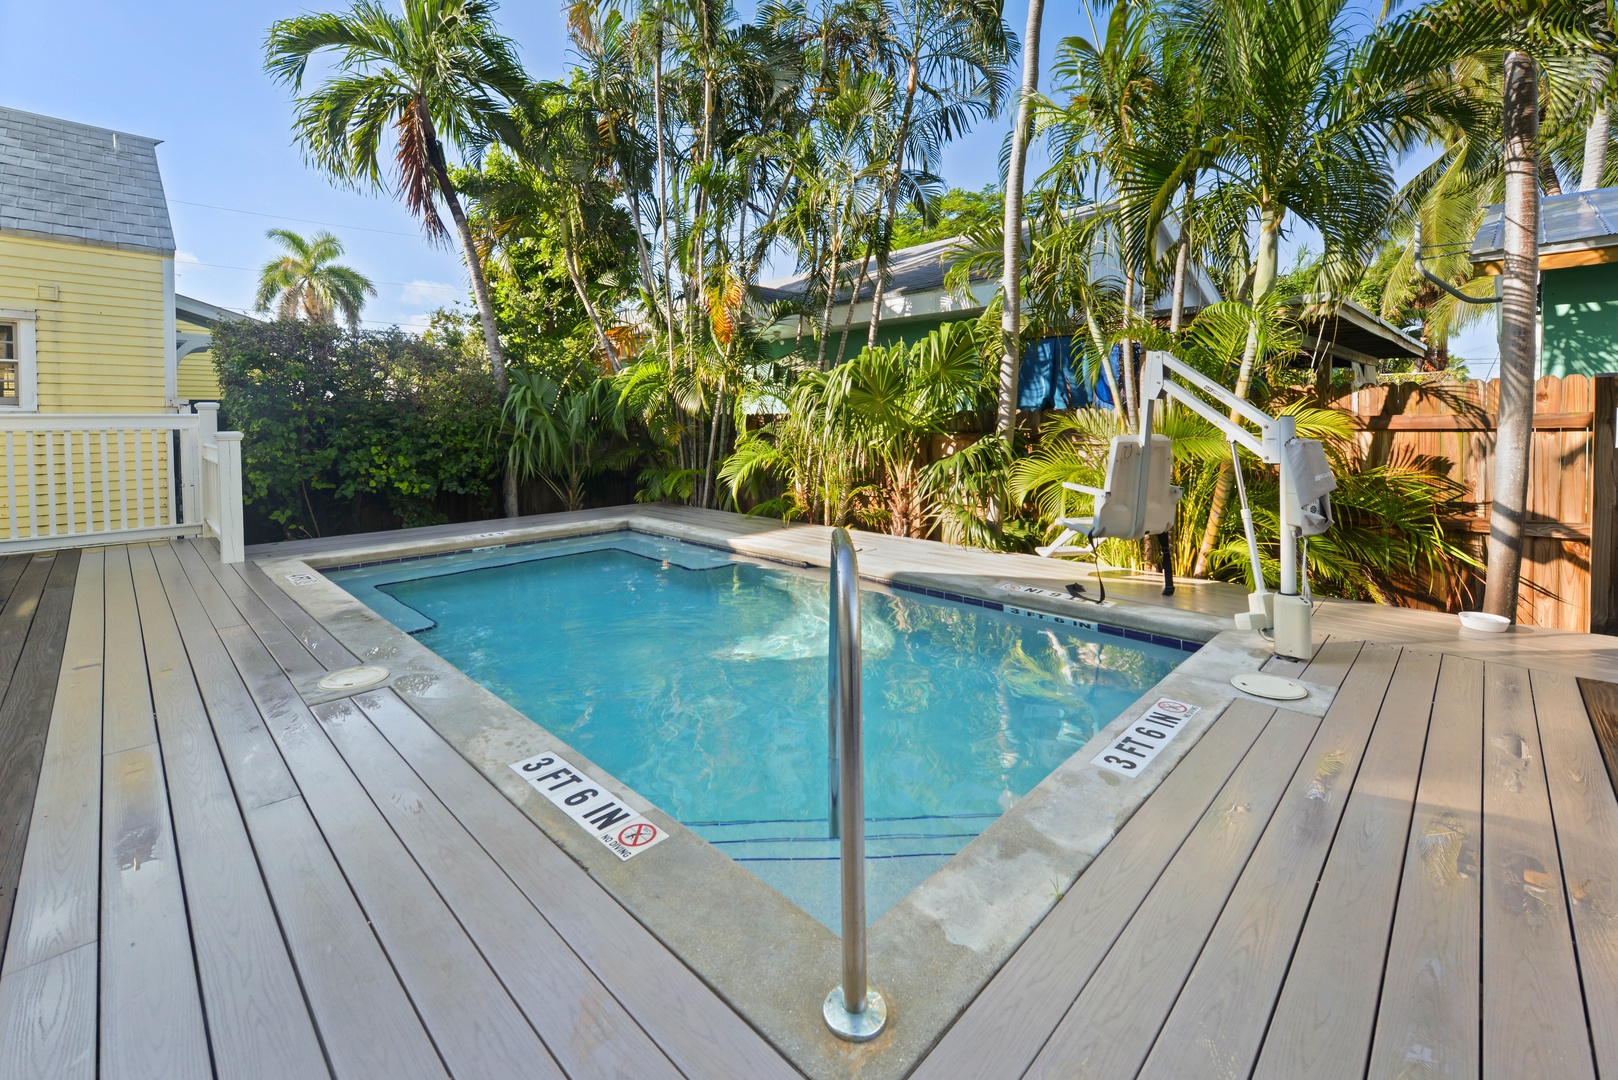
[[637, 835], [1170, 706]]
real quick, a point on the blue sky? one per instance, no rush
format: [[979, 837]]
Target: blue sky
[[189, 72]]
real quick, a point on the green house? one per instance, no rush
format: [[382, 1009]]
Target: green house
[[1578, 279]]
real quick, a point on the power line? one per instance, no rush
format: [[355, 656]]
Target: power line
[[256, 269], [302, 221]]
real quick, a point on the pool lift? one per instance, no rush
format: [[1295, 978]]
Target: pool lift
[[1138, 500]]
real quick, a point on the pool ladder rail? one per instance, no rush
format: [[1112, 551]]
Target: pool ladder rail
[[853, 1010]]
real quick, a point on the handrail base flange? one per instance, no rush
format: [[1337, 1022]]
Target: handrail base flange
[[855, 1027]]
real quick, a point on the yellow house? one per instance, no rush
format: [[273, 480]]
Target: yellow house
[[194, 321], [90, 328], [86, 270]]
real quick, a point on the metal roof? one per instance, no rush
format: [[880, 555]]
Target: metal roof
[[914, 269], [1577, 221], [65, 181], [203, 313]]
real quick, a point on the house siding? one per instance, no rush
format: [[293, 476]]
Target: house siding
[[100, 343], [1579, 310], [198, 379]]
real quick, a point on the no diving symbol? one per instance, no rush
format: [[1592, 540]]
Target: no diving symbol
[[1172, 706], [637, 834]]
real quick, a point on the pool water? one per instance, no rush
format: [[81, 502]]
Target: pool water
[[699, 679]]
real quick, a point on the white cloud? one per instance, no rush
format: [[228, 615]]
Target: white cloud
[[416, 324], [181, 257], [432, 293]]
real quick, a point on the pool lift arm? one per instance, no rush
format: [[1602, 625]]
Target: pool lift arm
[[1138, 501]]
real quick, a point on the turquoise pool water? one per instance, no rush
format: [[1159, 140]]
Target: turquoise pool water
[[699, 679]]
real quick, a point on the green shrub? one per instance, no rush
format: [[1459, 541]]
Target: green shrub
[[351, 430]]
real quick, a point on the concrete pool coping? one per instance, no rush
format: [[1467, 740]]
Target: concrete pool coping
[[772, 962]]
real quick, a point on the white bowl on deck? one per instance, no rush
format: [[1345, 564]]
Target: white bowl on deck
[[1489, 624]]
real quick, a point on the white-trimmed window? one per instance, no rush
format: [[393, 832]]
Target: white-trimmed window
[[17, 370]]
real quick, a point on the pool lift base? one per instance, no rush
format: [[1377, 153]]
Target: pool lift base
[[1269, 686]]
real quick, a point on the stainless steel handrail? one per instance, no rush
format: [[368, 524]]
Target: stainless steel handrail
[[852, 1010]]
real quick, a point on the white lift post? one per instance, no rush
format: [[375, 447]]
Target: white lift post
[[1276, 443]]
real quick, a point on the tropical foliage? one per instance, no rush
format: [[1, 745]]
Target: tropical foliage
[[306, 281], [617, 222]]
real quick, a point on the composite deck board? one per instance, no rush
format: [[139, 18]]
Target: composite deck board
[[697, 1030], [25, 714], [151, 1011], [370, 1029], [310, 634], [1586, 817], [1110, 1028], [1326, 1013], [127, 713], [1002, 1031], [48, 1018], [288, 651], [1332, 662], [1218, 1022], [1533, 1012], [17, 617], [221, 610], [56, 901], [259, 1027], [11, 568], [478, 1028], [1601, 702], [257, 773], [1427, 1022], [586, 1030]]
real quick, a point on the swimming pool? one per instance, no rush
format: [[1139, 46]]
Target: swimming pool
[[698, 678]]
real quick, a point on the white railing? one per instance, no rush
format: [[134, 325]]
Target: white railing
[[76, 480]]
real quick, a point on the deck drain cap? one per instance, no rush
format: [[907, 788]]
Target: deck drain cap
[[1269, 686], [353, 678]]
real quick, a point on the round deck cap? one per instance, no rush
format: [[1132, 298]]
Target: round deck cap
[[1269, 686], [353, 678]]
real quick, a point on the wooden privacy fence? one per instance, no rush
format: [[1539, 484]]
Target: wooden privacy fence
[[81, 480], [1569, 546]]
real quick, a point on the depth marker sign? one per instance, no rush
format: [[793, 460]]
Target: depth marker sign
[[1132, 751], [599, 811]]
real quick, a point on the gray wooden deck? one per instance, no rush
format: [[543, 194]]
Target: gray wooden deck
[[219, 880]]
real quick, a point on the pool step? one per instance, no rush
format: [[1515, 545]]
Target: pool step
[[888, 838]]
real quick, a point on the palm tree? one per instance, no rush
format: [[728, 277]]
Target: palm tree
[[306, 280], [1311, 119], [952, 58], [438, 72]]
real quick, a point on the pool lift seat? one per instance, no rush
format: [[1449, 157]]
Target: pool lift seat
[[1137, 502]]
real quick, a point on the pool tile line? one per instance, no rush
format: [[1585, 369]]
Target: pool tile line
[[1164, 640]]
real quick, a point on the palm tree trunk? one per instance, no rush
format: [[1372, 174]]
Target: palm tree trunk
[[571, 260], [848, 319], [480, 284], [1106, 361], [1126, 354], [662, 181], [1182, 261], [885, 239], [1011, 283], [1519, 284], [1264, 274], [1596, 138]]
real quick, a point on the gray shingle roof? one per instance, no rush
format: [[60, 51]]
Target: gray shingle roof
[[1572, 222], [81, 184]]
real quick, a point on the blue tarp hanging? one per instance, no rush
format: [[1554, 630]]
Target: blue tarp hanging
[[1053, 378]]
